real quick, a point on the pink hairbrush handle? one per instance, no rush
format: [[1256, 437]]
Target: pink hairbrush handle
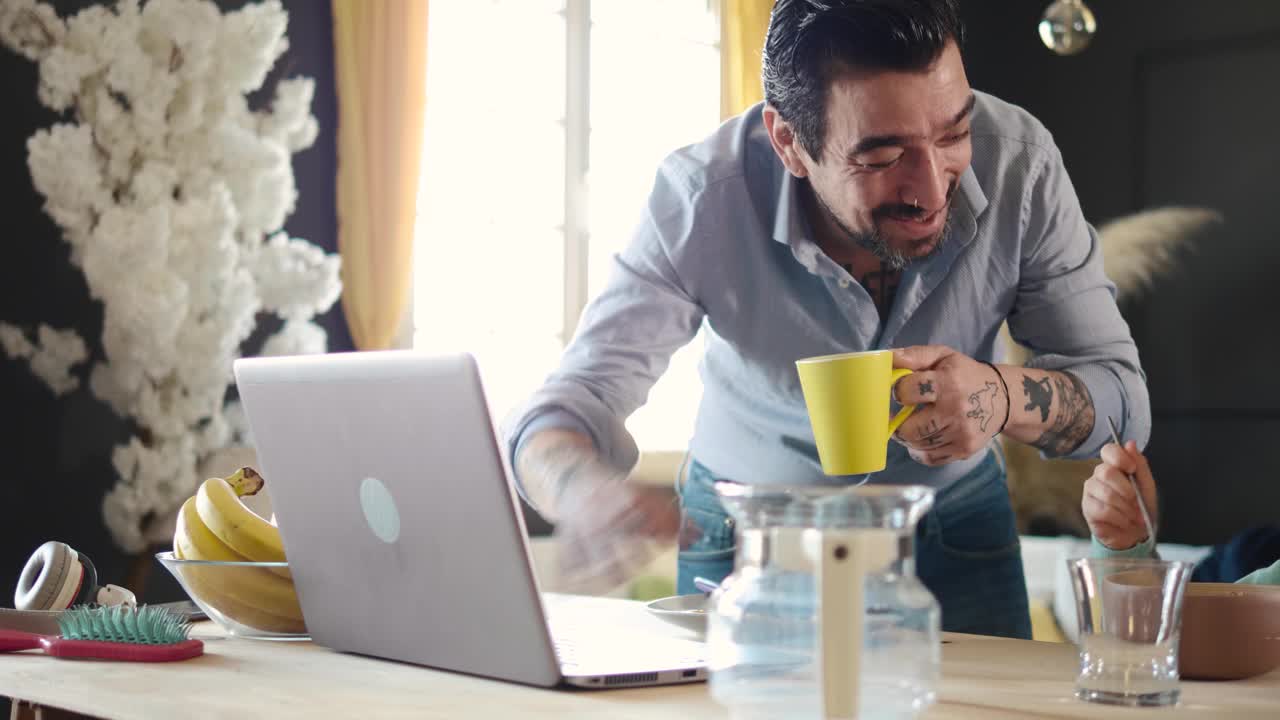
[[13, 640]]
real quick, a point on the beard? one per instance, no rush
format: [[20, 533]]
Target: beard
[[894, 257]]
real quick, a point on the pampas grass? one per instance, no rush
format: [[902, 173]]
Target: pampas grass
[[1138, 248]]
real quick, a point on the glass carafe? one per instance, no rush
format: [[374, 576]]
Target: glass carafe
[[823, 615]]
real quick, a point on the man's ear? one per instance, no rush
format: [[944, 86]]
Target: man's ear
[[784, 142]]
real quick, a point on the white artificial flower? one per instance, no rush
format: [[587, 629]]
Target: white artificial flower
[[202, 246], [259, 173], [141, 319], [65, 171], [296, 337], [154, 183], [30, 28], [113, 132], [56, 353], [62, 70], [236, 421], [290, 121], [164, 187], [14, 342], [117, 385], [127, 242], [186, 25], [154, 479], [52, 356], [250, 41], [215, 434], [295, 278], [88, 32]]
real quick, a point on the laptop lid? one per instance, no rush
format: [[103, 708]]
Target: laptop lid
[[402, 530]]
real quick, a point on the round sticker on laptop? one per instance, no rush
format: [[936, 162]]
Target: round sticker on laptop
[[379, 510]]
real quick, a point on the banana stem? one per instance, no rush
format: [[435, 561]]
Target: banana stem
[[246, 481]]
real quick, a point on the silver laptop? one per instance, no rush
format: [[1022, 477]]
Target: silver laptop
[[403, 531]]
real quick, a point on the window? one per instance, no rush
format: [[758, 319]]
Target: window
[[546, 121]]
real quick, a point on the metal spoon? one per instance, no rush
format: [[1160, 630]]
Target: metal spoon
[[705, 585], [1142, 504]]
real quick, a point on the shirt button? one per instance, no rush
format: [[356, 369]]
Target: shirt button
[[844, 282]]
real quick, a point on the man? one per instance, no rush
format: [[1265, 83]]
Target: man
[[874, 200]]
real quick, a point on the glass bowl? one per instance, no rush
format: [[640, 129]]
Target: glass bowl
[[247, 599]]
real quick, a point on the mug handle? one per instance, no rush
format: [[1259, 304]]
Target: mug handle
[[905, 412]]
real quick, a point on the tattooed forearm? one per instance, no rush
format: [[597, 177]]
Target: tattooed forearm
[[1039, 395], [1073, 413]]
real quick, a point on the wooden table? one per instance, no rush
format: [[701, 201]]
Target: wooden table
[[986, 678]]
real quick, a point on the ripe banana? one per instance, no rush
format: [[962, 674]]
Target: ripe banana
[[196, 542], [215, 525], [203, 583], [235, 524]]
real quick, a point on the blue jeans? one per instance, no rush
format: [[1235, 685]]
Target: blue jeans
[[967, 549]]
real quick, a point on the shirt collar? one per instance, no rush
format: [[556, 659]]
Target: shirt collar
[[791, 227]]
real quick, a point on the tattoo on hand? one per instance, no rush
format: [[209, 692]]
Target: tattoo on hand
[[984, 405], [931, 435], [926, 387], [1039, 395], [1072, 420]]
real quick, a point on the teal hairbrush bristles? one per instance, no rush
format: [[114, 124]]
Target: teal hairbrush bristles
[[144, 626], [145, 634]]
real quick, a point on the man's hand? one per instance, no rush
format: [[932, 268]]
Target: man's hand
[[1109, 503], [609, 530], [964, 403], [961, 404], [606, 527]]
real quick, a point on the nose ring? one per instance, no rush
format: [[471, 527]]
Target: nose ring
[[915, 201]]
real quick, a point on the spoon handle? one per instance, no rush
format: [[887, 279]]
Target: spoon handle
[[1142, 504]]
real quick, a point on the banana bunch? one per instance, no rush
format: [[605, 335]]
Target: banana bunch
[[216, 525]]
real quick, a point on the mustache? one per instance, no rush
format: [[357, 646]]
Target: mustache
[[902, 211], [898, 212]]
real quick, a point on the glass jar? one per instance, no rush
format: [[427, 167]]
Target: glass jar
[[824, 615]]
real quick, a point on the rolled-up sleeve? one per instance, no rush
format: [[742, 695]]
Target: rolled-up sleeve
[[625, 337], [1065, 310]]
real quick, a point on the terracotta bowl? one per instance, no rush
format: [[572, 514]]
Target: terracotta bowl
[[1229, 631]]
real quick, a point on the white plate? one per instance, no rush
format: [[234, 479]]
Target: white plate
[[686, 611]]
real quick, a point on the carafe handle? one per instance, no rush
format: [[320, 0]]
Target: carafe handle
[[841, 559], [840, 571]]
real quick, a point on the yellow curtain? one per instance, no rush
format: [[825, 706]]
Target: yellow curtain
[[380, 54], [742, 28]]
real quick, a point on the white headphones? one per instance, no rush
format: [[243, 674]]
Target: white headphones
[[57, 577]]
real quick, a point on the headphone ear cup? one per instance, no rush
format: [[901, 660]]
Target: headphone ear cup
[[51, 578], [89, 586]]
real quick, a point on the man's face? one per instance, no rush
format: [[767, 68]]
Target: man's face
[[896, 144]]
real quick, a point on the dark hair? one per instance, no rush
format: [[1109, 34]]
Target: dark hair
[[810, 40]]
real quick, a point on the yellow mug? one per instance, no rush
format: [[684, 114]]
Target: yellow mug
[[848, 400]]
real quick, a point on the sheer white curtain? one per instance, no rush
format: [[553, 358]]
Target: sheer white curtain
[[491, 253]]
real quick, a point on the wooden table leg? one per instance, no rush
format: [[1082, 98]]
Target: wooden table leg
[[23, 710], [19, 710]]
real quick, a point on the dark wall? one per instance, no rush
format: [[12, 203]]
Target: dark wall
[[56, 451], [1175, 102]]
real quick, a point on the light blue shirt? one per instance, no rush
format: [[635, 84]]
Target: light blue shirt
[[724, 244]]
